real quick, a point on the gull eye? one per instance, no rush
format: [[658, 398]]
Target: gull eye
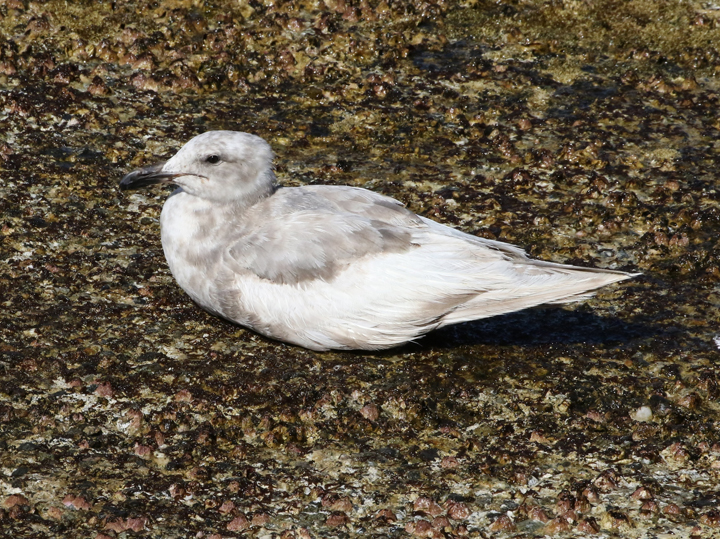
[[212, 159]]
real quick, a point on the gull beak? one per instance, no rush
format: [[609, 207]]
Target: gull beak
[[146, 176]]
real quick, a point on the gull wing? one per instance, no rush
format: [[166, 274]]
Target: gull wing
[[306, 233], [337, 267]]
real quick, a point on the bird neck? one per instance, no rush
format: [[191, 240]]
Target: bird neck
[[264, 186]]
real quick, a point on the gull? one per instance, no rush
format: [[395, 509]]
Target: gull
[[329, 266]]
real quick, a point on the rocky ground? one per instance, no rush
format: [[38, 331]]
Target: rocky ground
[[584, 132]]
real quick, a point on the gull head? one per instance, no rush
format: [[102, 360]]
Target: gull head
[[221, 166]]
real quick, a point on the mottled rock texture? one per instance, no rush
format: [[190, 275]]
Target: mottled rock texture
[[586, 132]]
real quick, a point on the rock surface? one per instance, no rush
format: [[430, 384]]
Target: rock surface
[[585, 132]]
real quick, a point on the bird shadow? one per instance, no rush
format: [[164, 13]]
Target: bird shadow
[[540, 326]]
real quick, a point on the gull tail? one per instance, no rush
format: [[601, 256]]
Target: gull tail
[[539, 283]]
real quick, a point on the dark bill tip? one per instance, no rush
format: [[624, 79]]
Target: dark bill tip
[[145, 177]]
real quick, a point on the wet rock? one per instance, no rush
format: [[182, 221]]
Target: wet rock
[[370, 412], [588, 525], [386, 515], [238, 524], [502, 524], [615, 520], [711, 518], [337, 519], [420, 528], [557, 525], [118, 393], [642, 493], [457, 510], [644, 413], [537, 513], [15, 500], [76, 502]]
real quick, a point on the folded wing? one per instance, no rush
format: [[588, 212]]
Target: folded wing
[[348, 268], [303, 234]]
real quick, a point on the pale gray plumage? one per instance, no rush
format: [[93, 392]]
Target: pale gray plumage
[[333, 267]]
